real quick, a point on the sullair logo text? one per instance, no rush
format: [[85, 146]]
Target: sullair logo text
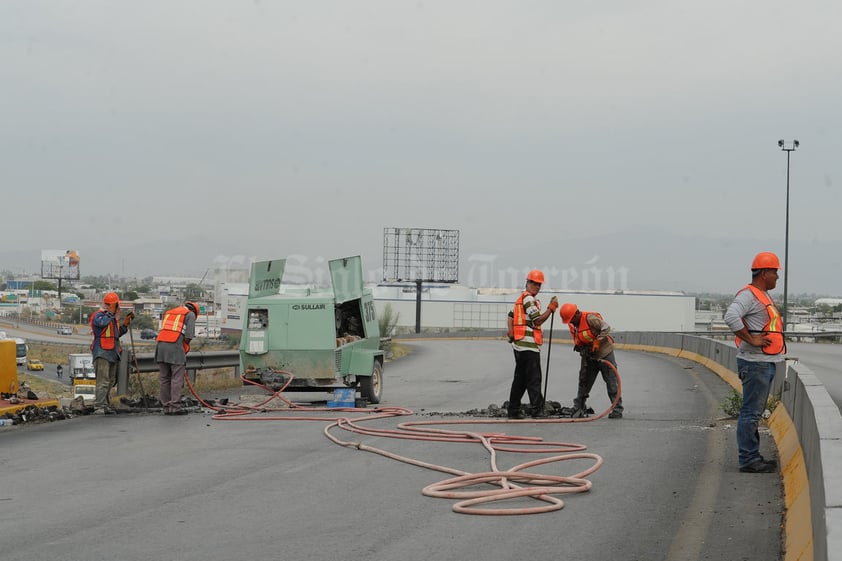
[[267, 284], [308, 306]]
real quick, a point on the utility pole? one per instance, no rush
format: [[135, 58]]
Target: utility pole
[[789, 150]]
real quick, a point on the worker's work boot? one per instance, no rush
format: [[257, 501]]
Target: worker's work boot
[[579, 408], [538, 413]]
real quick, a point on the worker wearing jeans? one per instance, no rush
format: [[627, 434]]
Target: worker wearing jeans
[[757, 379], [756, 321]]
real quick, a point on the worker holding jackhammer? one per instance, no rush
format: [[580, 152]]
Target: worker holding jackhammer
[[592, 341], [107, 329], [526, 339], [173, 343]]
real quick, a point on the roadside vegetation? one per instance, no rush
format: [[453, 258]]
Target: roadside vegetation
[[387, 321], [734, 402], [42, 387]]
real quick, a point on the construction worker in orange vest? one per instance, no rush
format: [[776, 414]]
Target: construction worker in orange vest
[[526, 338], [177, 330], [757, 323], [595, 346], [107, 329]]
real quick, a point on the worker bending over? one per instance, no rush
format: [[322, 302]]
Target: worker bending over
[[592, 341]]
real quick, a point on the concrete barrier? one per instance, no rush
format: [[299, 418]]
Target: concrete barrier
[[807, 432]]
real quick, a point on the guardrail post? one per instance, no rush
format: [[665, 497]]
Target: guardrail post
[[123, 373]]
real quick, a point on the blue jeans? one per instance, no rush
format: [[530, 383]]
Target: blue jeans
[[757, 379]]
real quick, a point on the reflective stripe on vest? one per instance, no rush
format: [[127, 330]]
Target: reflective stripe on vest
[[521, 324], [107, 337], [582, 335], [773, 328], [172, 325]]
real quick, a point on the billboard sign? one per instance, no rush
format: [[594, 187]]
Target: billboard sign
[[420, 255], [60, 264]]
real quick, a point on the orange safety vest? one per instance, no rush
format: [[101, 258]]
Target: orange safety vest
[[519, 323], [173, 325], [582, 335], [773, 328], [108, 336]]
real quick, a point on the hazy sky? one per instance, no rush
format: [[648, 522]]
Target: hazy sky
[[270, 128]]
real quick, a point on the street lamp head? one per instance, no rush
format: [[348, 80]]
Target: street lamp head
[[781, 143]]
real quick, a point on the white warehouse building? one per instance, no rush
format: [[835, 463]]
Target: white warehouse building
[[446, 307], [454, 307]]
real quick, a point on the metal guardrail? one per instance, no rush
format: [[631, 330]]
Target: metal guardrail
[[198, 360]]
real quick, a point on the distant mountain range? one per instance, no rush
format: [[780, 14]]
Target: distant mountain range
[[633, 260]]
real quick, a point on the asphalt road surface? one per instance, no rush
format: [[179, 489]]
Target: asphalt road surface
[[147, 486], [825, 360]]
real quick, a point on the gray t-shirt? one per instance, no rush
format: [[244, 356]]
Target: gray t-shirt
[[173, 353], [747, 311]]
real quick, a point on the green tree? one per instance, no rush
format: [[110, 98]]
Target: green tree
[[97, 282], [44, 285], [144, 321], [73, 314], [193, 291]]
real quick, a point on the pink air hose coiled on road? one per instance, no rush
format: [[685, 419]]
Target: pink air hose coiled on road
[[505, 485]]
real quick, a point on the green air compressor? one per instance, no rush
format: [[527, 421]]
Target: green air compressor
[[299, 338]]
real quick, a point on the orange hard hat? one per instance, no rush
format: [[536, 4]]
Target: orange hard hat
[[535, 276], [111, 298], [567, 311], [192, 306], [766, 260]]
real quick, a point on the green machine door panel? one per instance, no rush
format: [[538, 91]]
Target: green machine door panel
[[265, 278], [346, 275]]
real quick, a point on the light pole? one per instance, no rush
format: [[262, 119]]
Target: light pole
[[788, 151]]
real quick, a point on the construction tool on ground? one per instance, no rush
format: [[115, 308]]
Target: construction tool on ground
[[547, 369], [137, 371]]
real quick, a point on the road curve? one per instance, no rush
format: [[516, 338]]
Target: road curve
[[147, 486]]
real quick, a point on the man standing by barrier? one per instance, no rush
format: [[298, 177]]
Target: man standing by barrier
[[756, 321]]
